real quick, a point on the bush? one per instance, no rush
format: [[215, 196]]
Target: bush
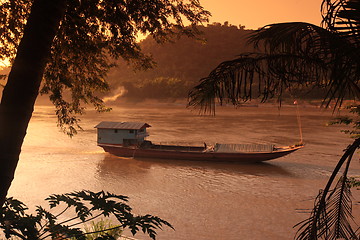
[[82, 207]]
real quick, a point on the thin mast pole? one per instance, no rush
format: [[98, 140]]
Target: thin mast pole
[[299, 121]]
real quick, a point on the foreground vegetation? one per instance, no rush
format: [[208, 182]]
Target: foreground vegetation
[[73, 211], [292, 56]]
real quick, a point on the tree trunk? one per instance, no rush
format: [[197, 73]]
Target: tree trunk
[[22, 88]]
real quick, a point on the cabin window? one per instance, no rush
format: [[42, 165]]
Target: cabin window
[[115, 130], [131, 131], [141, 130]]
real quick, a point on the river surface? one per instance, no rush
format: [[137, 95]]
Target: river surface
[[202, 200]]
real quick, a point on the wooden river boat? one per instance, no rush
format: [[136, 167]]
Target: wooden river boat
[[196, 153], [127, 139]]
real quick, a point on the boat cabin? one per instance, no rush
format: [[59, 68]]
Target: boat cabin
[[121, 133]]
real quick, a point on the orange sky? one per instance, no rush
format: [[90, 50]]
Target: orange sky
[[257, 13]]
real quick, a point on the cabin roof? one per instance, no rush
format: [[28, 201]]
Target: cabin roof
[[122, 125]]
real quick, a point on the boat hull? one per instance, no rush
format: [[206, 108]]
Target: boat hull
[[197, 155]]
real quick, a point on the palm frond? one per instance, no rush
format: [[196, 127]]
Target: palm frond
[[331, 217], [289, 55], [342, 16], [339, 215], [252, 76], [292, 55], [301, 38], [314, 227]]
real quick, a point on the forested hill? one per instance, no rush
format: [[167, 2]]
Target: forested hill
[[181, 64]]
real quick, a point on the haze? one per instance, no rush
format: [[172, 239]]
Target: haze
[[257, 13]]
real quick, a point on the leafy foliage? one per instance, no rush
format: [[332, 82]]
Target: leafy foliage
[[13, 15], [86, 206], [91, 36], [289, 56], [102, 228], [354, 121]]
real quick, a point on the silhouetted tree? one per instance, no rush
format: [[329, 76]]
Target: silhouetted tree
[[290, 56], [66, 47]]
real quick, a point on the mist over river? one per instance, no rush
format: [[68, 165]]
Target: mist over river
[[202, 200]]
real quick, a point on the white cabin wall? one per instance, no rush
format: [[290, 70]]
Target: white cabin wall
[[111, 136]]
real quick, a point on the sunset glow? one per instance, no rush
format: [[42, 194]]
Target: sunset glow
[[179, 119], [257, 13]]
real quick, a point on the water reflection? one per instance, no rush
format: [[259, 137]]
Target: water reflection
[[197, 191], [116, 166]]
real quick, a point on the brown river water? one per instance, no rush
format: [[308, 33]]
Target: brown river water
[[202, 200]]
